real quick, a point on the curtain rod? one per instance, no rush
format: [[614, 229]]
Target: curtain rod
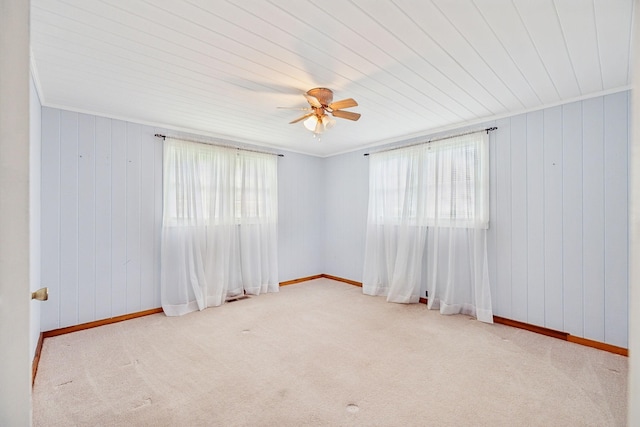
[[437, 139], [164, 137]]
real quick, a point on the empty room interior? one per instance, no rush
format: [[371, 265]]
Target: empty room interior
[[285, 212]]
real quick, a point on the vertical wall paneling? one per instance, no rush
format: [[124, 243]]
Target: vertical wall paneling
[[346, 194], [616, 217], [102, 212], [492, 232], [68, 219], [103, 218], [132, 263], [593, 218], [535, 218], [86, 218], [557, 241], [552, 152], [118, 218], [572, 218], [301, 208], [158, 149], [285, 219], [147, 229], [503, 221], [50, 218], [519, 217]]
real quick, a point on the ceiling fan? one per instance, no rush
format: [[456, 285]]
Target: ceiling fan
[[320, 103]]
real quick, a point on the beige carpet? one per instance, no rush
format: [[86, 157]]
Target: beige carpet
[[321, 353]]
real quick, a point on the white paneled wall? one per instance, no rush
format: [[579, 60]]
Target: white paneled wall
[[102, 214], [558, 246], [301, 211], [347, 198], [101, 217], [558, 238]]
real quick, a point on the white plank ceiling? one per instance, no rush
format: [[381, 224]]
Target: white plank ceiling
[[220, 68]]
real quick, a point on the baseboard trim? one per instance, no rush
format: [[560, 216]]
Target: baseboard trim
[[599, 345], [75, 328], [320, 276], [36, 359], [341, 279], [300, 280], [565, 336], [533, 328], [102, 322]]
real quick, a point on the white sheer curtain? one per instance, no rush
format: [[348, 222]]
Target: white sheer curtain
[[219, 234], [427, 222]]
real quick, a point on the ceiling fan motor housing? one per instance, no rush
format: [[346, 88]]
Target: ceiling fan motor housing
[[322, 94]]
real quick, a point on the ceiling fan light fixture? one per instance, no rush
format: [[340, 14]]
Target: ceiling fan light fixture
[[328, 121], [310, 123]]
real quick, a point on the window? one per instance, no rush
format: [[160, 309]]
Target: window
[[443, 183], [204, 184]]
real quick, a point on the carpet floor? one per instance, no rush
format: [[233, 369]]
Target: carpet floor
[[322, 353]]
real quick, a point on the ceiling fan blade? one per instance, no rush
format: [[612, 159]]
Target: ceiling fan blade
[[345, 103], [345, 115], [296, 108], [301, 118], [313, 101]]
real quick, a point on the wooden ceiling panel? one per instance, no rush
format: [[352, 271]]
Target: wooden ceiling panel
[[479, 34], [613, 26], [541, 22], [577, 23], [220, 68], [506, 22], [410, 42]]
